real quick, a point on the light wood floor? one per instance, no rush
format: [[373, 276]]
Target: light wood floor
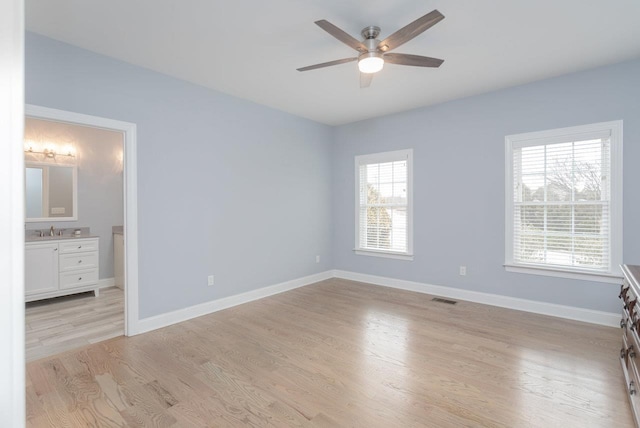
[[64, 323], [341, 353]]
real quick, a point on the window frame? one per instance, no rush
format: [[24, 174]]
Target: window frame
[[376, 158], [613, 274]]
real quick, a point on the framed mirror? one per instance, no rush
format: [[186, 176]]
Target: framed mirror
[[51, 192]]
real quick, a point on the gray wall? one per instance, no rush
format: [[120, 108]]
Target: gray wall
[[459, 181], [250, 194], [100, 193], [225, 186]]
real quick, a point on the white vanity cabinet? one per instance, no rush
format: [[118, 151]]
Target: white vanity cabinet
[[41, 274], [60, 267]]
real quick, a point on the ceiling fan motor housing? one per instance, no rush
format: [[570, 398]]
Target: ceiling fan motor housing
[[370, 61], [370, 32]]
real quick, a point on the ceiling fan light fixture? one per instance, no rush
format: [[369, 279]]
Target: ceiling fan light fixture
[[370, 62], [373, 53]]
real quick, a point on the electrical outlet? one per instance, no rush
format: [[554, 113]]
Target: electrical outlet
[[317, 259], [210, 280], [463, 270]]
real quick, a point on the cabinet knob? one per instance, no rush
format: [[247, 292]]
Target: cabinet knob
[[55, 249], [79, 261], [622, 323], [79, 246], [631, 352], [80, 279], [632, 388], [622, 354]]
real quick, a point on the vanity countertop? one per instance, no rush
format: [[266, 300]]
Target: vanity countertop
[[33, 235], [46, 238]]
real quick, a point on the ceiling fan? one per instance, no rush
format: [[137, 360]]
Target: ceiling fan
[[373, 53]]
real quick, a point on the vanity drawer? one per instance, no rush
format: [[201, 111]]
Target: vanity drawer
[[78, 246], [78, 261], [78, 278]]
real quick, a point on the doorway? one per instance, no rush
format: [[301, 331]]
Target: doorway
[[129, 192]]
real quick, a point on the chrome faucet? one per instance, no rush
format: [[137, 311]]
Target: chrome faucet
[[52, 231]]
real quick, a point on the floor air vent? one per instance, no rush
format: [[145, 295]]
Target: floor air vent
[[441, 300]]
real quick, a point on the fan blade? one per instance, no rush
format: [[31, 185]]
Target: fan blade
[[415, 60], [341, 35], [365, 79], [410, 31], [327, 64]]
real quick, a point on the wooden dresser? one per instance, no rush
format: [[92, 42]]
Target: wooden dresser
[[630, 324]]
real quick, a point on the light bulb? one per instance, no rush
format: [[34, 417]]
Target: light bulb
[[370, 63]]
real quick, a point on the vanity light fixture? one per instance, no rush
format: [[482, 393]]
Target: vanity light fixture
[[49, 153]]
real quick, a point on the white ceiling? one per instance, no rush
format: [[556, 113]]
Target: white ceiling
[[251, 48]]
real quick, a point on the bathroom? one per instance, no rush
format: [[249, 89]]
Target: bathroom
[[74, 235]]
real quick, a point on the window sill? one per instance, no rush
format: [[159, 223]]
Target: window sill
[[609, 278], [385, 254]]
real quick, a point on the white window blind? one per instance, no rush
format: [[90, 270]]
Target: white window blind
[[563, 208], [383, 202]]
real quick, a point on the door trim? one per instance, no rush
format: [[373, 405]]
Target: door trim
[[12, 369]]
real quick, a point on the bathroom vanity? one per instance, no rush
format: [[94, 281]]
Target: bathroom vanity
[[58, 266]]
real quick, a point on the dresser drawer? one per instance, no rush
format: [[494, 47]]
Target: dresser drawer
[[630, 343], [630, 371], [630, 323], [78, 261], [78, 246], [78, 278]]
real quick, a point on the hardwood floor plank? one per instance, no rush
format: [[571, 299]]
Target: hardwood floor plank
[[338, 353]]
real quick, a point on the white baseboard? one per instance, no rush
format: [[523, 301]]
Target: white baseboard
[[561, 311], [163, 320], [551, 309], [107, 282]]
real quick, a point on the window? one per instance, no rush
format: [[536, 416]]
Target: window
[[384, 204], [564, 202]]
